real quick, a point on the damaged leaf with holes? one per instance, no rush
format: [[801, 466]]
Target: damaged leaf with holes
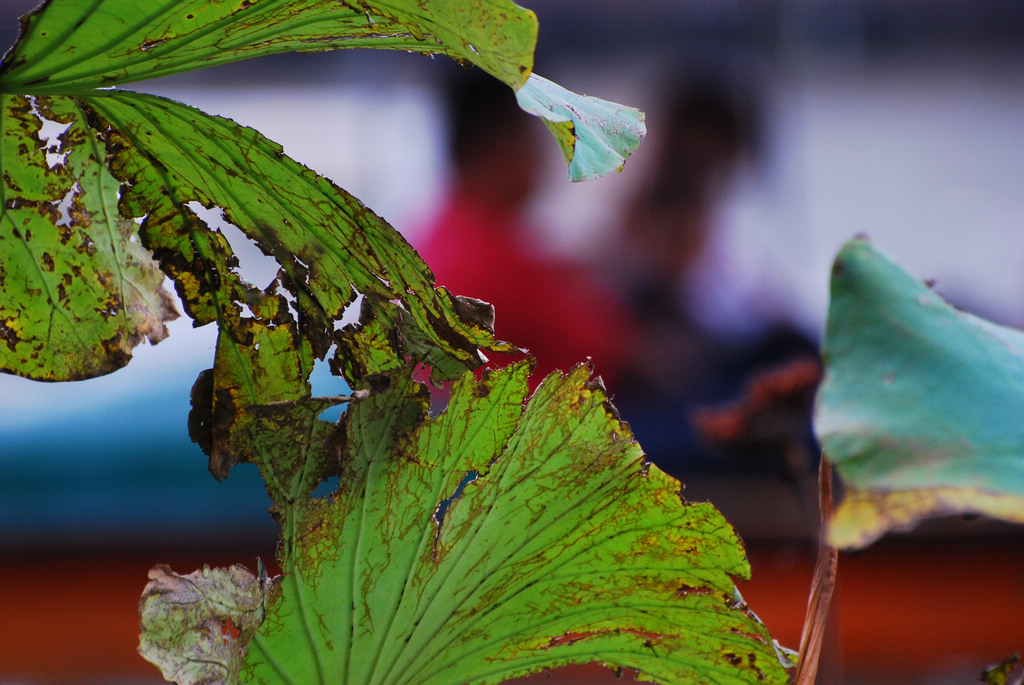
[[921, 404], [79, 291], [329, 247], [497, 540], [157, 148]]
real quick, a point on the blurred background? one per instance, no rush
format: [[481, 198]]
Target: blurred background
[[820, 121]]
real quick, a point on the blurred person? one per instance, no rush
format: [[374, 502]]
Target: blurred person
[[481, 243], [679, 365]]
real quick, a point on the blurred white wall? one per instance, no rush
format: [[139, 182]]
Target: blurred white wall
[[384, 145], [924, 158]]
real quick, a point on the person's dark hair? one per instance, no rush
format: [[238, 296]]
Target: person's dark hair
[[708, 127], [715, 107], [480, 108]]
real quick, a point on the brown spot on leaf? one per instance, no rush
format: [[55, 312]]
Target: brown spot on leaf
[[150, 44], [595, 384], [8, 335], [474, 312], [224, 417]]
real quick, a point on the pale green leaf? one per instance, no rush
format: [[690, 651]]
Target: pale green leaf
[[195, 627], [78, 291], [921, 404], [494, 541], [595, 136]]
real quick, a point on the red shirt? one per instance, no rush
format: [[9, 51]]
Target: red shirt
[[554, 309]]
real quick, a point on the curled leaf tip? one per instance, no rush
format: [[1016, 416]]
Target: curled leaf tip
[[595, 136]]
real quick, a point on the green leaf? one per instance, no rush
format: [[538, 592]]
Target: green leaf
[[921, 404], [194, 627], [74, 45], [70, 46], [494, 541], [595, 136], [173, 159], [328, 244], [295, 450], [79, 291], [249, 379]]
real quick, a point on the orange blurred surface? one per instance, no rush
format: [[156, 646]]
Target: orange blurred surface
[[904, 607]]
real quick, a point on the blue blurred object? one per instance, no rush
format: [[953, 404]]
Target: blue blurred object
[[108, 461]]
